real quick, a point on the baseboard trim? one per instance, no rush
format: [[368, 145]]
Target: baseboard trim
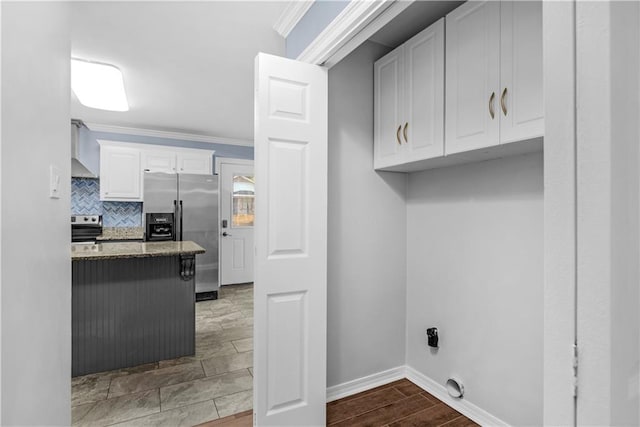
[[463, 406], [365, 383]]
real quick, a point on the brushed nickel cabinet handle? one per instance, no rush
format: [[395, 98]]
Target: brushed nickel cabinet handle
[[491, 111], [398, 135], [404, 132], [502, 104]]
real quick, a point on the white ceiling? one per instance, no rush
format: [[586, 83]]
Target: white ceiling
[[187, 66]]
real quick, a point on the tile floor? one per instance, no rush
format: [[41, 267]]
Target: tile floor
[[215, 383]]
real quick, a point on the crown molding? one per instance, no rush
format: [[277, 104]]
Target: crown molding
[[97, 127], [291, 15], [353, 18]]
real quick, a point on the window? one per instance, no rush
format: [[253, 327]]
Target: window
[[243, 201]]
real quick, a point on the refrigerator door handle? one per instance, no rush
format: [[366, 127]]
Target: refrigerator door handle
[[181, 208], [175, 223]]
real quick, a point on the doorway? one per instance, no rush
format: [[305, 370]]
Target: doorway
[[237, 215]]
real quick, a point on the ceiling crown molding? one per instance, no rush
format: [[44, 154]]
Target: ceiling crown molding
[[291, 15], [97, 127], [353, 18]]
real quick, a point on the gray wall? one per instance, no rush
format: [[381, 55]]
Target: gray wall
[[36, 266], [475, 271], [367, 233]]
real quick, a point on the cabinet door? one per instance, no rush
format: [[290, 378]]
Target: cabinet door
[[159, 161], [120, 174], [424, 94], [388, 94], [196, 163], [472, 76], [521, 108]]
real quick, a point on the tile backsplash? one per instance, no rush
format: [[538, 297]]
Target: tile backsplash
[[85, 199]]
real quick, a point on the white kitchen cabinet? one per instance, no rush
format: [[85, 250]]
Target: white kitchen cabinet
[[177, 160], [388, 94], [159, 161], [120, 177], [522, 111], [424, 94], [194, 161], [122, 166], [493, 74], [409, 100]]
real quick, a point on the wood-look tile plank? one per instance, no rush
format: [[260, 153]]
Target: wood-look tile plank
[[461, 421], [242, 419], [358, 395], [407, 388], [400, 382], [435, 416], [430, 397], [347, 409], [389, 413]]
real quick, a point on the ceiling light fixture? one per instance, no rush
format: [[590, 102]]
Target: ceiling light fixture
[[98, 85]]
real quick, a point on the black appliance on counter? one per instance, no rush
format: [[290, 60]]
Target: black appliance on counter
[[159, 227], [85, 228]]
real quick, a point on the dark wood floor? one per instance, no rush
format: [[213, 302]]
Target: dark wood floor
[[400, 403]]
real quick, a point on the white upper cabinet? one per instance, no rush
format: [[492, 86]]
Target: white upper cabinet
[[409, 100], [521, 101], [473, 76], [177, 160], [424, 94], [494, 74], [388, 94], [159, 161], [120, 177], [194, 161], [122, 166]]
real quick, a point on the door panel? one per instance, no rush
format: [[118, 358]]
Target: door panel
[[521, 71], [194, 163], [388, 80], [291, 242], [472, 76], [159, 161], [424, 93], [120, 174], [237, 211]]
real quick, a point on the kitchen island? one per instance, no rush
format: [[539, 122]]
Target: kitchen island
[[132, 303]]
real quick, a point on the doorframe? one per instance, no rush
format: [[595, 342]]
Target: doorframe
[[218, 164], [355, 25]]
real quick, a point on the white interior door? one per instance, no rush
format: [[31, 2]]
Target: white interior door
[[237, 214], [291, 243]]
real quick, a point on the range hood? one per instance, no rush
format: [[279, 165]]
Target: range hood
[[78, 170]]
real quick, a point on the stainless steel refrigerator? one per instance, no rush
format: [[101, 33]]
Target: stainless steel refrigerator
[[193, 199]]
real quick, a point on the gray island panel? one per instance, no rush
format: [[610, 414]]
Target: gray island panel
[[129, 311]]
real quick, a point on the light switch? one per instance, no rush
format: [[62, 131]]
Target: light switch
[[54, 182]]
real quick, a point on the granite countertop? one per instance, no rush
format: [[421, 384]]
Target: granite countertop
[[134, 250], [121, 233]]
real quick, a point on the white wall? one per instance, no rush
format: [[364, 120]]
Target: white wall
[[367, 233], [608, 212], [475, 271], [559, 212], [36, 266]]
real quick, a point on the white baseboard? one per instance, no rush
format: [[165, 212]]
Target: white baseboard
[[365, 383], [439, 391], [463, 406]]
